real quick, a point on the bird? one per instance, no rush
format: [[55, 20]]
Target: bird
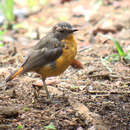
[[52, 55]]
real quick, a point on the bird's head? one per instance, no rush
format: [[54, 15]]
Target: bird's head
[[63, 29]]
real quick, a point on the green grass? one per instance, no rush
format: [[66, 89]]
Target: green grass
[[118, 47], [50, 127], [121, 53], [20, 127], [1, 35], [8, 9]]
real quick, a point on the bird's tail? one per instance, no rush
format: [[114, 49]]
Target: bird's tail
[[13, 75]]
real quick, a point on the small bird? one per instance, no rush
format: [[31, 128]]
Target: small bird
[[52, 55]]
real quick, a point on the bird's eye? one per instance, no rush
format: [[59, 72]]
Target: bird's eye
[[61, 31]]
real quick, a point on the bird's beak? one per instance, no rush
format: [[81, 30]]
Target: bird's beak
[[74, 30]]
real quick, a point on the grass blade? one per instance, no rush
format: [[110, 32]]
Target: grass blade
[[8, 9], [118, 46]]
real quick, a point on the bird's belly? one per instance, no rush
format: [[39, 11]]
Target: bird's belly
[[47, 71], [60, 65]]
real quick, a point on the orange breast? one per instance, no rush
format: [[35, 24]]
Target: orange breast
[[62, 63]]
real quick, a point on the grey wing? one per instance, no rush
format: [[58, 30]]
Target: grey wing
[[47, 50], [47, 42], [41, 57]]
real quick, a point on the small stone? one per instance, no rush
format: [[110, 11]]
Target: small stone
[[80, 128]]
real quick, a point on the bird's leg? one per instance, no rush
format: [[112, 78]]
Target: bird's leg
[[47, 92]]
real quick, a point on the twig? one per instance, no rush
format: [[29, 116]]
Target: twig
[[84, 48], [34, 12]]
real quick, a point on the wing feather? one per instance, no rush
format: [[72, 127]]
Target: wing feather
[[41, 57]]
